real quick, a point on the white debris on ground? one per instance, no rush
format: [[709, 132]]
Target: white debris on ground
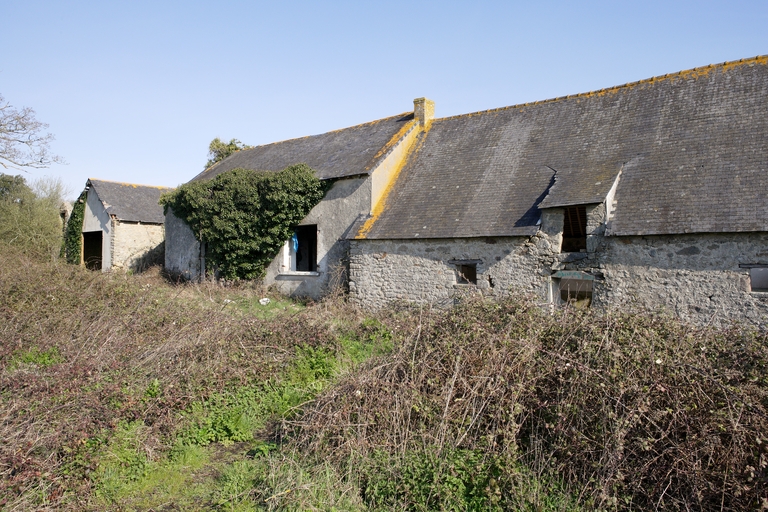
[[264, 301]]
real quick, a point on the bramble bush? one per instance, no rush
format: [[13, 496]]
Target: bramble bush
[[128, 391], [609, 410]]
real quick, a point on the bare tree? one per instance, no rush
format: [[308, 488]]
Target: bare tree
[[23, 141]]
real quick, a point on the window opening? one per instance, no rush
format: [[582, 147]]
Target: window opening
[[575, 229], [92, 250], [758, 279], [466, 273], [303, 247], [572, 287]]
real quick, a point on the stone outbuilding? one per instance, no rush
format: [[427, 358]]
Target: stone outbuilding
[[652, 194], [122, 226]]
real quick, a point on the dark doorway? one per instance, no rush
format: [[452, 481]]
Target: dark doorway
[[92, 250], [306, 252]]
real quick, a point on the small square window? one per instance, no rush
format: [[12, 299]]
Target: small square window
[[758, 279], [466, 273], [570, 289]]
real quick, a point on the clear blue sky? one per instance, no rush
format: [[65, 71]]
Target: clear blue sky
[[135, 91]]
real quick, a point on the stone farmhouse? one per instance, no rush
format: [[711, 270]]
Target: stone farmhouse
[[653, 194], [122, 226]]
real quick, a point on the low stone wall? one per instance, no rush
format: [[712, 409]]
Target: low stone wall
[[136, 246]]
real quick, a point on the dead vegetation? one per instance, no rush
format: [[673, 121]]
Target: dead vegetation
[[624, 411], [485, 406], [83, 351]]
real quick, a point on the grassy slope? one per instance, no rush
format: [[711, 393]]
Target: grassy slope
[[128, 392]]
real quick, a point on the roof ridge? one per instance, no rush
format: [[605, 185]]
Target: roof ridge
[[129, 184], [693, 73], [375, 121]]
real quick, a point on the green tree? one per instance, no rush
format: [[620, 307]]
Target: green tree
[[244, 217], [30, 215], [219, 150]]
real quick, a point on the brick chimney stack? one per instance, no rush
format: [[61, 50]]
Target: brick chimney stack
[[423, 110]]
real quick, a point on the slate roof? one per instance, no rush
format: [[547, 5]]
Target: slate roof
[[337, 154], [129, 202], [692, 147]]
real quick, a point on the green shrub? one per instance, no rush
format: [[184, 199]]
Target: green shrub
[[29, 216], [244, 217], [37, 357]]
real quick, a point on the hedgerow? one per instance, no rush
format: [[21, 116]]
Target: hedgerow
[[244, 217]]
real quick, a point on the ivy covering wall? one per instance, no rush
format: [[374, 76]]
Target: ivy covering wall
[[244, 217], [73, 233]]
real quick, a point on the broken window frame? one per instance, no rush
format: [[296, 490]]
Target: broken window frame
[[572, 287], [466, 274], [465, 271], [574, 229]]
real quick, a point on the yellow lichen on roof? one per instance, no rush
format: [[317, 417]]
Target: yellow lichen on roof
[[382, 203], [685, 75], [391, 142]]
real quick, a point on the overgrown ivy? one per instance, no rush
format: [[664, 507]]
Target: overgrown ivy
[[73, 233], [244, 217]]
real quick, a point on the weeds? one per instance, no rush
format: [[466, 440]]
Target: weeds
[[128, 391], [36, 357]]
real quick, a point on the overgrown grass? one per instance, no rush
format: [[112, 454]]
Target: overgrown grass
[[129, 392], [88, 355]]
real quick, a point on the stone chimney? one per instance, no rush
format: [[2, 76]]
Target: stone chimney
[[423, 110]]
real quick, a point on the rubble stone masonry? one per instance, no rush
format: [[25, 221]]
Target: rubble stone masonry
[[700, 278]]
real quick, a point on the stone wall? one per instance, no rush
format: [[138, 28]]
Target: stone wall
[[383, 271], [697, 278], [136, 246], [700, 278], [182, 250]]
